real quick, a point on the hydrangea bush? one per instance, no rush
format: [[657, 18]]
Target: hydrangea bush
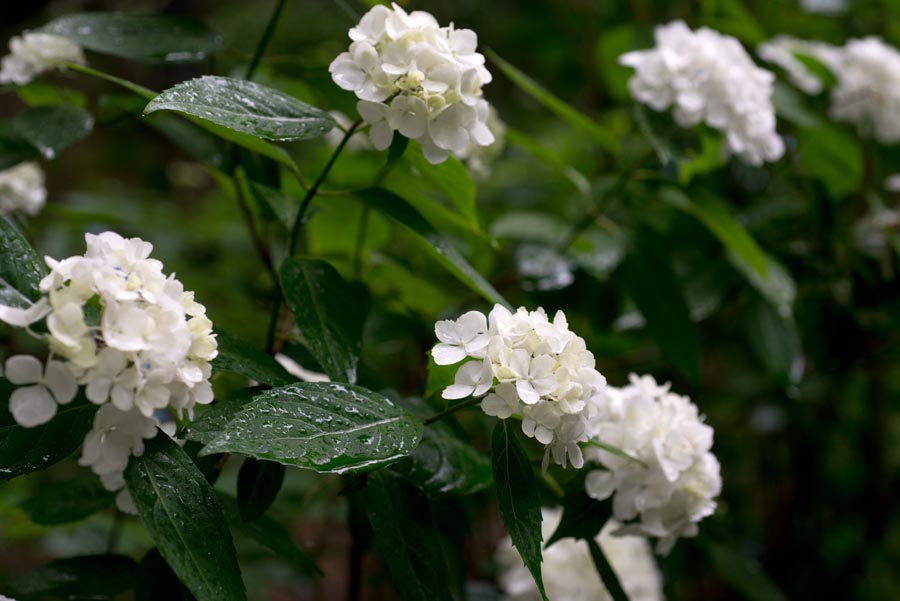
[[428, 379]]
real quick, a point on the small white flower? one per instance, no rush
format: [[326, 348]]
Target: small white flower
[[34, 53], [44, 388], [22, 189], [709, 77], [465, 337], [24, 317], [502, 403], [472, 379]]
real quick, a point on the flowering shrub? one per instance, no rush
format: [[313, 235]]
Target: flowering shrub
[[428, 296]]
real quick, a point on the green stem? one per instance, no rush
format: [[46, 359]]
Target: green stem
[[614, 450], [311, 193], [128, 85], [298, 224], [266, 38], [242, 189], [606, 572], [467, 403], [115, 531]]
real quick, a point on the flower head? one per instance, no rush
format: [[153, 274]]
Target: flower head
[[675, 482], [22, 189], [529, 366], [709, 78], [34, 53], [413, 76]]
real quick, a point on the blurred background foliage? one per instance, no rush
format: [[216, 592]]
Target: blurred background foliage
[[797, 370]]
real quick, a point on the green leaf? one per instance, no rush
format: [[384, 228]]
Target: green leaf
[[167, 39], [530, 226], [282, 206], [774, 340], [157, 582], [94, 577], [239, 357], [744, 575], [832, 155], [258, 484], [39, 93], [322, 426], [582, 124], [245, 107], [583, 517], [51, 129], [791, 106], [179, 509], [606, 572], [715, 215], [650, 282], [450, 177], [517, 493], [444, 464], [68, 501], [271, 535], [328, 313], [406, 539], [26, 450], [13, 149], [212, 421], [20, 265], [10, 297], [777, 287], [433, 242]]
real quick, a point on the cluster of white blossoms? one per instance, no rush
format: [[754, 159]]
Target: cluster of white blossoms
[[783, 51], [22, 189], [418, 78], [568, 570], [34, 53], [133, 336], [527, 366], [709, 78], [867, 92], [672, 479]]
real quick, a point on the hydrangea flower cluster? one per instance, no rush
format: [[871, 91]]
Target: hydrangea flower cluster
[[22, 189], [674, 482], [526, 365], [569, 572], [133, 336], [867, 93], [34, 53], [418, 78], [709, 78]]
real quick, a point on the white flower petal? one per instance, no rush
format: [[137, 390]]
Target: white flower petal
[[32, 406], [24, 369]]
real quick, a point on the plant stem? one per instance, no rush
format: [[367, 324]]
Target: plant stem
[[241, 186], [606, 572], [311, 193], [268, 32], [298, 224], [453, 409], [614, 450]]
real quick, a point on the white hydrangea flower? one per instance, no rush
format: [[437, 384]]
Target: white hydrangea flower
[[709, 78], [34, 53], [675, 485], [43, 387], [22, 189], [530, 367], [114, 438], [867, 93], [569, 572], [418, 78]]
